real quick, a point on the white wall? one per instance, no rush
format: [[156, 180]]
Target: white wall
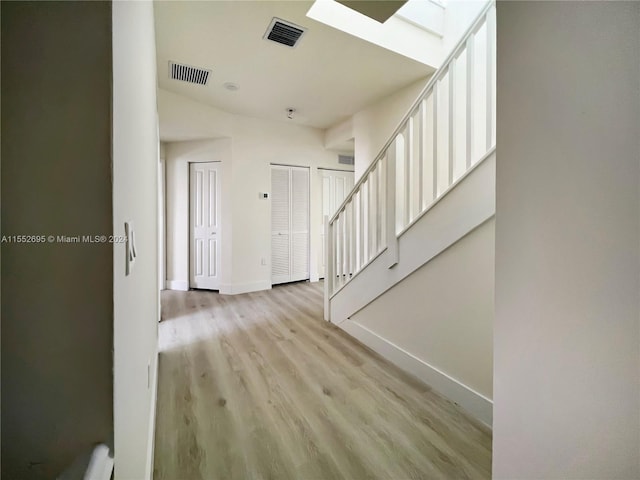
[[184, 119], [136, 304], [252, 145], [374, 125], [567, 328], [256, 145], [340, 136], [447, 315], [57, 298]]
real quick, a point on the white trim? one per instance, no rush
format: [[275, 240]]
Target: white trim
[[472, 203], [181, 285], [372, 299], [460, 179], [162, 223], [354, 275], [327, 169], [151, 443], [473, 402], [238, 288]]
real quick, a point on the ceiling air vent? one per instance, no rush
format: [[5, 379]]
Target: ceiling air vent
[[346, 159], [187, 73], [284, 32]]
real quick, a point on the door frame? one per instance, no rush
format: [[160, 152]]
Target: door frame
[[162, 222]]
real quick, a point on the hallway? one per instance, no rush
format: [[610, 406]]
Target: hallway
[[259, 386]]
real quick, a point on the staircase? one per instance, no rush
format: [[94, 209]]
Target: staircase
[[432, 184]]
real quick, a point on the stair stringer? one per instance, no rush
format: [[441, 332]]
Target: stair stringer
[[467, 205]]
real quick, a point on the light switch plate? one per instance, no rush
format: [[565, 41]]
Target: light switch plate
[[130, 247]]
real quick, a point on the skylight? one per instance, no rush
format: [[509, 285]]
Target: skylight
[[425, 14]]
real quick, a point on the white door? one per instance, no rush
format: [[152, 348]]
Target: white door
[[289, 224], [336, 185], [204, 243]]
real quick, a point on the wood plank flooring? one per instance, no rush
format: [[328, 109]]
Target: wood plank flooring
[[258, 386]]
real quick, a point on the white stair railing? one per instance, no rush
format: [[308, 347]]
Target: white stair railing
[[448, 131]]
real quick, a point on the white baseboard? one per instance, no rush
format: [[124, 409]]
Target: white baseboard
[[228, 289], [475, 403], [238, 288], [177, 285], [151, 441]]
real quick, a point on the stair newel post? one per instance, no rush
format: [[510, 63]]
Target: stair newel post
[[390, 227], [329, 274]]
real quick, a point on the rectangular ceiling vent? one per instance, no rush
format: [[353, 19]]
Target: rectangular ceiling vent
[[187, 73], [346, 159], [286, 33]]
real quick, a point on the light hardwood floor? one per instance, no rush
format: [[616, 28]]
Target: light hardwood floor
[[258, 386]]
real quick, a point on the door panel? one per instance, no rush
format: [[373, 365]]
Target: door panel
[[336, 185], [299, 224], [204, 226], [280, 208], [280, 270], [280, 224], [299, 256], [289, 224]]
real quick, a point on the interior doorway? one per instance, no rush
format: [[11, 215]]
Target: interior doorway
[[204, 225], [289, 224]]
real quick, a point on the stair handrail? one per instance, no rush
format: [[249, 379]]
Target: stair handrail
[[423, 94]]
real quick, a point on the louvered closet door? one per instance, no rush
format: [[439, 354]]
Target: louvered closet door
[[280, 224], [289, 224]]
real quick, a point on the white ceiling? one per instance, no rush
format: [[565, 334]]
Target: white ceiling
[[327, 77]]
